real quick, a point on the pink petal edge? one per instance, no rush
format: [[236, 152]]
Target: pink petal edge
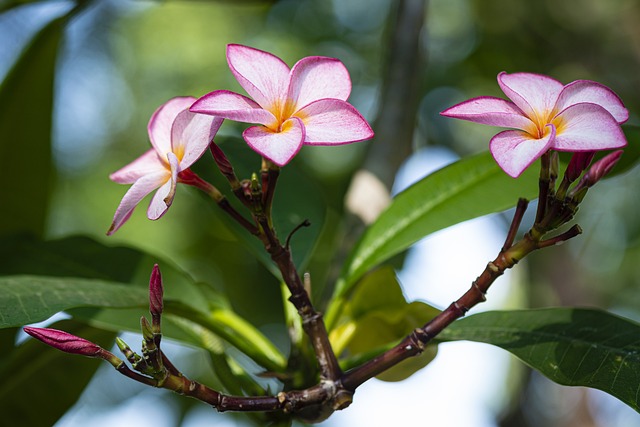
[[191, 135], [263, 75], [333, 122], [588, 127], [134, 195], [279, 147], [318, 77], [160, 123], [232, 106], [515, 150], [592, 92], [534, 94], [146, 164], [491, 111]]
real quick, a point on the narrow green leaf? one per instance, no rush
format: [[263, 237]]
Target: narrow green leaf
[[466, 189], [39, 383], [26, 103], [576, 347]]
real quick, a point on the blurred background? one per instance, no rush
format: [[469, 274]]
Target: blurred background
[[79, 112]]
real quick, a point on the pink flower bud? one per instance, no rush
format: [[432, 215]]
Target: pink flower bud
[[156, 292], [221, 159], [602, 167], [65, 341], [578, 163]]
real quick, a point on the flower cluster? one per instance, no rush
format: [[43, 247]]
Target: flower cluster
[[304, 105], [582, 116]]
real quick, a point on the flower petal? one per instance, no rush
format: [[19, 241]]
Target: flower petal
[[594, 93], [163, 198], [134, 195], [318, 77], [191, 135], [159, 127], [146, 164], [333, 122], [264, 76], [515, 150], [279, 147], [587, 127], [534, 94], [490, 111], [232, 106]]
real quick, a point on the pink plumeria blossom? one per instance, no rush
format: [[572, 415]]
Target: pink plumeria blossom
[[178, 138], [544, 114], [304, 105]]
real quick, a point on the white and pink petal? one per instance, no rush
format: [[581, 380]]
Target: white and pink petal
[[161, 121], [489, 110], [264, 76], [279, 147], [191, 135], [146, 164], [591, 92], [135, 194], [333, 122], [515, 151], [587, 127], [534, 94], [318, 77], [232, 106]]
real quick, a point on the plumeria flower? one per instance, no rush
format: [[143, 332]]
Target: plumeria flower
[[179, 138], [304, 105], [577, 117]]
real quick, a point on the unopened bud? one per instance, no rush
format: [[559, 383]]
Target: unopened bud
[[147, 331], [65, 341], [156, 292], [221, 160], [597, 171], [578, 163], [602, 167]]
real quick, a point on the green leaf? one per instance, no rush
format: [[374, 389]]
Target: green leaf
[[39, 383], [82, 257], [30, 299], [26, 298], [377, 317], [466, 189], [575, 347], [26, 104]]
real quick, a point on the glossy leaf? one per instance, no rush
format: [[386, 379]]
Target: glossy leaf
[[82, 257], [41, 383], [576, 347], [26, 103], [30, 299], [466, 189]]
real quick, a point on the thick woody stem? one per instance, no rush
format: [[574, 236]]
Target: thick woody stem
[[312, 321], [415, 343]]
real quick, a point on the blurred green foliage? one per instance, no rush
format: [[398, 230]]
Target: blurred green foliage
[[63, 132]]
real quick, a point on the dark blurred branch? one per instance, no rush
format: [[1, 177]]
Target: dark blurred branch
[[400, 97]]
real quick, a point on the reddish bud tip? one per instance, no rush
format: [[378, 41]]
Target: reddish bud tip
[[602, 167], [578, 163], [221, 159], [156, 292], [65, 341]]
